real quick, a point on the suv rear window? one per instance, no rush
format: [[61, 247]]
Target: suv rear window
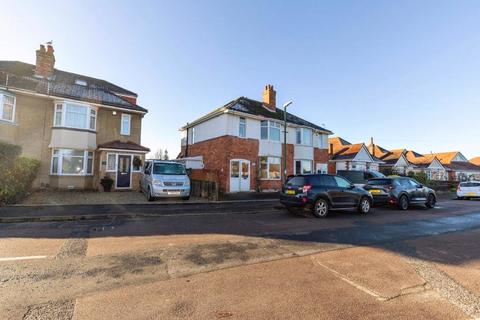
[[296, 182], [469, 184], [379, 182]]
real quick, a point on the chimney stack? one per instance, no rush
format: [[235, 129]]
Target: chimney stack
[[372, 147], [270, 97], [331, 149], [45, 61]]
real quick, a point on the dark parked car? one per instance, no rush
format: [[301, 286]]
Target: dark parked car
[[360, 178], [400, 191], [322, 192]]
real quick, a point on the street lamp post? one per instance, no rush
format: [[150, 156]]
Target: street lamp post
[[285, 140]]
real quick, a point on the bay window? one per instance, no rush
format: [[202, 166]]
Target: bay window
[[270, 168], [72, 162], [303, 167], [303, 136], [270, 130], [7, 107], [72, 115]]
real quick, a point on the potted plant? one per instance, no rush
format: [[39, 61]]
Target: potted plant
[[106, 183]]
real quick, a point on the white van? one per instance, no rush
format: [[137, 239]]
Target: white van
[[161, 178]]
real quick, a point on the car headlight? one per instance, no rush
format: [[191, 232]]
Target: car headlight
[[158, 182], [187, 183]]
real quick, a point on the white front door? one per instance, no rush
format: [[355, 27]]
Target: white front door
[[239, 175]]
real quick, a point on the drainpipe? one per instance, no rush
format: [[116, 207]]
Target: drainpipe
[[186, 145]]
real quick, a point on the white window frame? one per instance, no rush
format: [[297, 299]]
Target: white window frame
[[268, 168], [122, 131], [302, 160], [193, 135], [60, 163], [133, 168], [64, 115], [271, 125], [242, 123], [302, 140], [2, 100], [115, 163]]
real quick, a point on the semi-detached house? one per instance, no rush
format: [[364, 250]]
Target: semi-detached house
[[241, 144], [80, 128]]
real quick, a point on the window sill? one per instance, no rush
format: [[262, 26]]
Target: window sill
[[71, 175], [279, 179], [75, 129], [11, 123]]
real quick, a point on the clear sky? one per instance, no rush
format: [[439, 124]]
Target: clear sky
[[405, 72]]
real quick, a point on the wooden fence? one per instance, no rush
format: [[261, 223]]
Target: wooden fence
[[204, 189]]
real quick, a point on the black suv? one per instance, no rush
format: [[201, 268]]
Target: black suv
[[400, 191], [322, 192]]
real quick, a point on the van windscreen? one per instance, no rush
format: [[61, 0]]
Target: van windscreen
[[169, 169]]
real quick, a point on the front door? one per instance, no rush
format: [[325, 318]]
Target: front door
[[239, 175], [123, 171]]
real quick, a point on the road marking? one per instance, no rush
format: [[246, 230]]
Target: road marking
[[350, 282], [22, 258]]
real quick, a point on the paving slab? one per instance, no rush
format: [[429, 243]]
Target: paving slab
[[380, 273], [294, 288], [23, 247]]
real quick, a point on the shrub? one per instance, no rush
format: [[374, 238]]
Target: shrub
[[8, 153], [16, 179]]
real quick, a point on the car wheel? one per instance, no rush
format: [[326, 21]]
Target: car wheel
[[320, 209], [431, 201], [150, 197], [403, 202], [364, 206]]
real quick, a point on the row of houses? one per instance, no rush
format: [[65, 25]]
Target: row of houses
[[83, 129]]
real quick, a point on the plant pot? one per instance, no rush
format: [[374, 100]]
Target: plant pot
[[107, 184]]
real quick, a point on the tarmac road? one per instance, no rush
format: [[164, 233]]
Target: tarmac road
[[246, 262]]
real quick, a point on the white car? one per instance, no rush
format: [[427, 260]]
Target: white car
[[467, 190]]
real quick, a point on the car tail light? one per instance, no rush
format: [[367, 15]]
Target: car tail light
[[306, 188]]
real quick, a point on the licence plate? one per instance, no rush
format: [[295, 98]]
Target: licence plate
[[174, 193], [375, 191], [471, 194], [290, 191]]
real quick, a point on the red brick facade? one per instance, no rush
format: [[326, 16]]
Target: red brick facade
[[217, 154]]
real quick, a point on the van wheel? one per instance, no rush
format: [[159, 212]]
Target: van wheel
[[320, 209], [364, 206], [431, 202], [149, 195], [403, 203]]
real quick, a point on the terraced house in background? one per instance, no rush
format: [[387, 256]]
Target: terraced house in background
[[241, 145], [80, 128]]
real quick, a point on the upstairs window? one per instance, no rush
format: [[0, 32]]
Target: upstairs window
[[303, 136], [76, 116], [242, 130], [125, 125], [7, 108], [270, 130]]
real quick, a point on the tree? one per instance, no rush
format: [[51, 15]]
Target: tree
[[159, 154], [165, 155]]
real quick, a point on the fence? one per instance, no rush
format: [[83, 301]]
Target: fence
[[204, 189]]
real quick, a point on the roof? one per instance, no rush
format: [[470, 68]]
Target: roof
[[462, 166], [257, 108], [475, 160], [344, 150], [121, 145], [378, 151], [20, 75], [446, 157]]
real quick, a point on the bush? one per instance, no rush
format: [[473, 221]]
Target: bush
[[8, 153], [421, 177], [16, 179]]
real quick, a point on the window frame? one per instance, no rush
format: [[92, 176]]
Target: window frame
[[242, 124], [115, 163], [133, 167], [2, 106], [63, 117], [268, 168], [301, 167], [300, 133], [59, 158], [129, 117], [271, 125]]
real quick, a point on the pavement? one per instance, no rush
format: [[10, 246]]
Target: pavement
[[245, 261]]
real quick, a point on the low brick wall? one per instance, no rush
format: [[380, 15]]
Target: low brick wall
[[204, 189]]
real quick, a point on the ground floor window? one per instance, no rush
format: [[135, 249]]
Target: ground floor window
[[303, 167], [270, 168], [72, 162]]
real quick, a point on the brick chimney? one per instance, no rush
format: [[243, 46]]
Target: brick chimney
[[372, 147], [270, 97], [45, 61]]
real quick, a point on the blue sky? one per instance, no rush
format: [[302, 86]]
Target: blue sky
[[405, 72]]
